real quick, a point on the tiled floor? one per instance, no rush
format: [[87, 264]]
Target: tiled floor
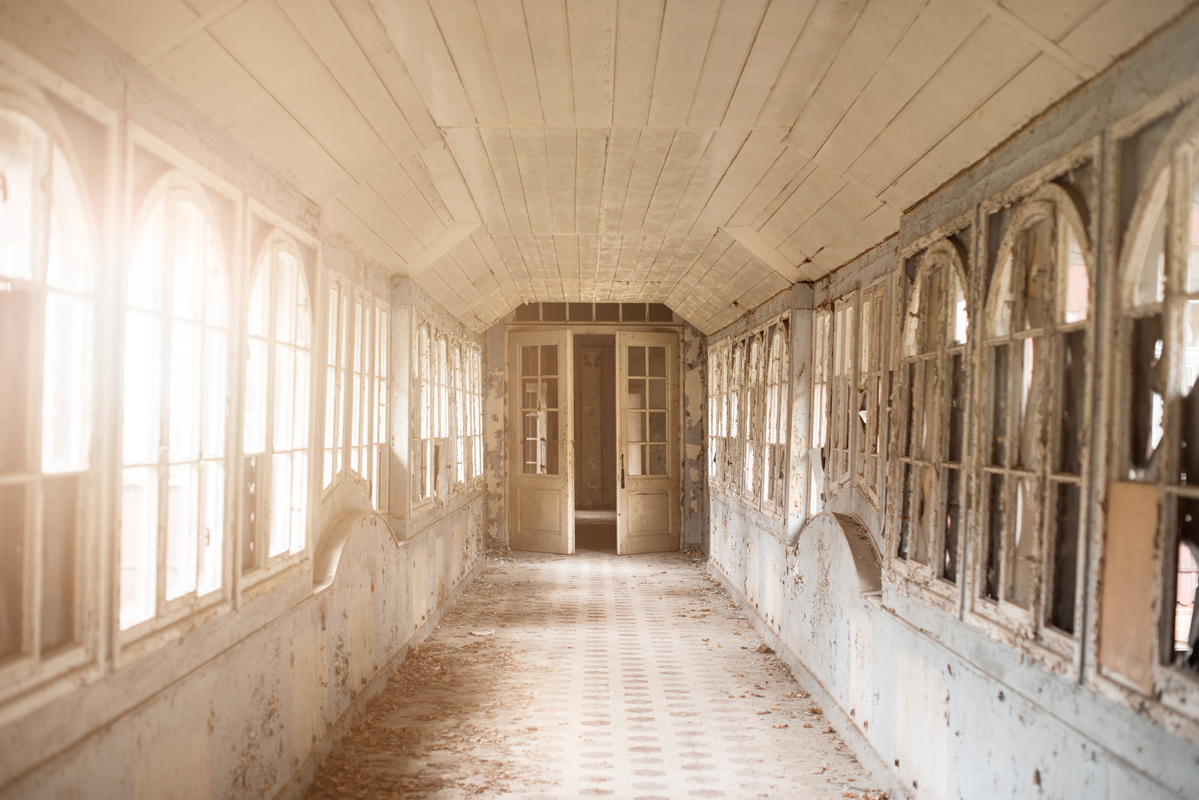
[[593, 675]]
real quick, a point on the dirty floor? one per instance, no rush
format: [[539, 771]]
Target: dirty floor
[[593, 675]]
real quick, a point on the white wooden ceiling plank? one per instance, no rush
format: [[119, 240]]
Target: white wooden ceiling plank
[[732, 38], [359, 236], [592, 28], [1055, 19], [401, 195], [295, 76], [686, 34], [622, 149], [883, 222], [633, 281], [510, 286], [588, 266], [443, 293], [829, 24], [647, 168], [715, 249], [205, 73], [942, 27], [379, 49], [476, 269], [1025, 96], [444, 173], [549, 42], [724, 284], [560, 156], [502, 157], [510, 252], [626, 265], [990, 57], [605, 265], [1117, 27], [772, 46], [533, 164], [323, 28], [462, 30], [684, 259], [448, 270], [686, 149], [591, 155], [553, 271], [413, 30], [508, 40], [530, 252], [370, 208], [414, 169], [846, 208], [759, 153], [876, 33], [651, 291], [566, 254], [783, 178], [799, 248], [753, 241], [719, 154], [638, 28], [820, 185], [442, 244], [474, 165], [137, 26]]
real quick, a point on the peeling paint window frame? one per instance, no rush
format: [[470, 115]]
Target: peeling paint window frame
[[718, 355], [842, 388], [927, 576], [1031, 621], [380, 385], [440, 446], [873, 360], [777, 409], [337, 326], [820, 401], [57, 215]]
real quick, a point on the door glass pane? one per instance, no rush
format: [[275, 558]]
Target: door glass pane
[[528, 361], [637, 361], [551, 443], [657, 393], [657, 459], [657, 362], [637, 426], [657, 426], [549, 359], [637, 459], [637, 393]]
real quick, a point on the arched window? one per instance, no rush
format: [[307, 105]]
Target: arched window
[[927, 509], [751, 454], [819, 411], [46, 356], [278, 380], [1158, 371], [175, 393], [778, 416], [1036, 405], [732, 465]]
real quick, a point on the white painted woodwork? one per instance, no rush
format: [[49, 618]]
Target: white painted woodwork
[[604, 144], [542, 513], [648, 506]]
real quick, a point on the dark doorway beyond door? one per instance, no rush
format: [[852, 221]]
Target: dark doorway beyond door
[[595, 442]]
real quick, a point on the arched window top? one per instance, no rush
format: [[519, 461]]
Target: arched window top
[[178, 266], [937, 308], [1043, 273], [280, 280]]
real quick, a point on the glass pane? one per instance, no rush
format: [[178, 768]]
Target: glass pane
[[580, 312], [637, 361], [957, 407], [280, 503], [67, 264], [66, 398], [214, 391], [300, 394], [637, 398], [256, 323], [215, 289], [1186, 587], [183, 524], [1145, 399], [1150, 286], [657, 361], [995, 517], [212, 481], [952, 523], [12, 560], [299, 500], [185, 369], [960, 320], [286, 298], [637, 458], [1034, 249], [632, 312], [657, 426], [657, 459], [999, 403], [18, 142], [16, 331], [528, 361], [607, 312], [59, 539], [1001, 313], [551, 443], [657, 393], [905, 515], [550, 388], [553, 312], [1065, 556], [930, 400], [1073, 401], [142, 387], [549, 359], [1027, 514], [922, 514], [188, 240], [250, 489], [139, 544], [255, 420], [637, 426], [1076, 285], [1030, 414]]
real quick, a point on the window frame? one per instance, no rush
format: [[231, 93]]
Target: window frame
[[1058, 649], [872, 390], [925, 578], [29, 667], [820, 404]]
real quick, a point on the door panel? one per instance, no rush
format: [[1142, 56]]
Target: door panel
[[542, 458], [649, 495]]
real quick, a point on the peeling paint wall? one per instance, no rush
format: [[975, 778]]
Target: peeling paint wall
[[939, 701]]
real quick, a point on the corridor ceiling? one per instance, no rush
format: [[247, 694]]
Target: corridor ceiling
[[698, 153]]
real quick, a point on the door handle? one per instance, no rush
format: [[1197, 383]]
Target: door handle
[[622, 470]]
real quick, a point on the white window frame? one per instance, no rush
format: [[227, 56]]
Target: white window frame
[[818, 488], [873, 361], [337, 329]]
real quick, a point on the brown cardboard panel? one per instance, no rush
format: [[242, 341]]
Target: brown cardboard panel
[[1130, 573]]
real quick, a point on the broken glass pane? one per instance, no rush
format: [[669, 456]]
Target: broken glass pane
[[999, 404], [1073, 396], [995, 516], [1076, 285], [1150, 284], [1145, 397], [953, 524], [1034, 248], [1024, 542], [1065, 556]]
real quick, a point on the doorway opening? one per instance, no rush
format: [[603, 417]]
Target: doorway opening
[[595, 442]]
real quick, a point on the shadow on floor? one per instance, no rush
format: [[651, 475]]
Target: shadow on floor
[[595, 536]]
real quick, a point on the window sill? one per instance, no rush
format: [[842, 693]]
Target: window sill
[[1013, 626], [26, 685], [148, 636]]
